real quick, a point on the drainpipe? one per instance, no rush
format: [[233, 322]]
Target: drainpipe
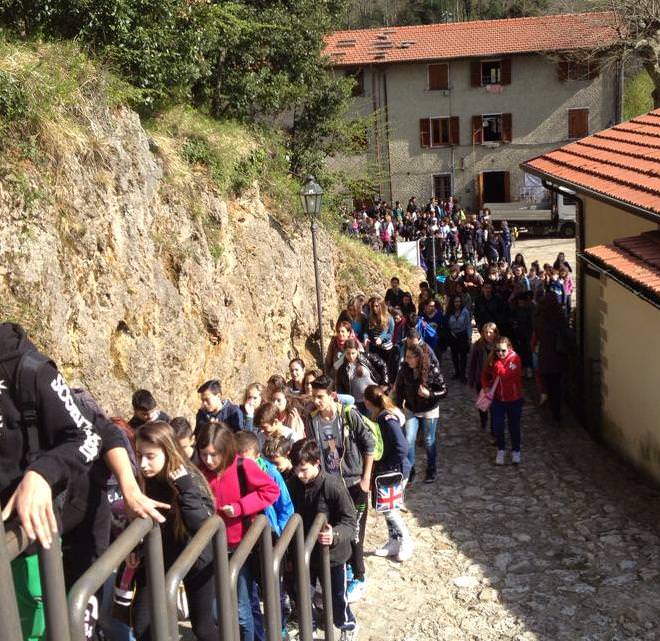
[[387, 134], [619, 94]]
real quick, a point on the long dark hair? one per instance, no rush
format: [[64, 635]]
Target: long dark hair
[[424, 363], [161, 435]]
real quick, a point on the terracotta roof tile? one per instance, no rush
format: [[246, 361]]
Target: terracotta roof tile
[[636, 258], [470, 39], [622, 162]]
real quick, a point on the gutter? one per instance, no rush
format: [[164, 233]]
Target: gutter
[[387, 134], [610, 273]]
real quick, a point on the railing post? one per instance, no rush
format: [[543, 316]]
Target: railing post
[[11, 623], [156, 585], [270, 583], [222, 583], [303, 583], [326, 584], [311, 541], [54, 591]]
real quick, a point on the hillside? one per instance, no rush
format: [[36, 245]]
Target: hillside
[[154, 254]]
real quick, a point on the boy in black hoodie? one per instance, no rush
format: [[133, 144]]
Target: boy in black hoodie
[[313, 491]]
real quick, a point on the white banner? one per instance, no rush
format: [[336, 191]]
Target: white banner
[[409, 251]]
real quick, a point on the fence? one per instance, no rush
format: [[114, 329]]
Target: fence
[[65, 620]]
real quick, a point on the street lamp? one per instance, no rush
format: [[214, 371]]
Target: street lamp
[[311, 195]]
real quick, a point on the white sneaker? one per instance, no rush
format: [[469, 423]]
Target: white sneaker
[[406, 550], [499, 459], [391, 548], [515, 458]]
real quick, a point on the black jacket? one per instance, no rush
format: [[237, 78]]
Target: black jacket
[[69, 441], [492, 310], [374, 363], [327, 495], [406, 386]]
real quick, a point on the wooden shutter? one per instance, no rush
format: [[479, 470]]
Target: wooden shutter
[[578, 123], [438, 76], [507, 187], [479, 189], [562, 70], [454, 138], [507, 128], [475, 73], [477, 133], [425, 132], [505, 71]]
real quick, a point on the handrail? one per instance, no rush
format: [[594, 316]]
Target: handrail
[[182, 565], [53, 587], [11, 623]]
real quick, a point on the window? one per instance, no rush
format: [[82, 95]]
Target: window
[[438, 132], [578, 123], [491, 72], [357, 74], [438, 76], [578, 69], [491, 128], [442, 186]]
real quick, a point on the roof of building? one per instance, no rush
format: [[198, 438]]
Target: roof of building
[[478, 38], [621, 163], [636, 258]]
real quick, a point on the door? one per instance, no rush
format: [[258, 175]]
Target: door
[[495, 187]]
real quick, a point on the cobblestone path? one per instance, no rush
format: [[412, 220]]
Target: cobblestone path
[[563, 548]]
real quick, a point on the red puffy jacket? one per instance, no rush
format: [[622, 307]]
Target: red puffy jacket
[[509, 371]]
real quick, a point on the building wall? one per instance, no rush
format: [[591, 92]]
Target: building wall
[[630, 363], [604, 223], [536, 98]]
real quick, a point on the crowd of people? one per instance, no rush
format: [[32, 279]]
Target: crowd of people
[[331, 439]]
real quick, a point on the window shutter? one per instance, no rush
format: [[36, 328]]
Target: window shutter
[[475, 73], [477, 133], [594, 69], [578, 123], [507, 187], [507, 129], [562, 70], [505, 71], [454, 138], [424, 132], [438, 76]]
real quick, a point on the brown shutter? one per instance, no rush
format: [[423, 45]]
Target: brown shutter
[[507, 187], [438, 76], [578, 123], [562, 70], [475, 73], [507, 129], [454, 137], [594, 69], [505, 71], [477, 134], [424, 132], [479, 188]]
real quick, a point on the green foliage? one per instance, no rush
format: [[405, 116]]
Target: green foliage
[[637, 97]]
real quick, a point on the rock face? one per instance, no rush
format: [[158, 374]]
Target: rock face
[[128, 284]]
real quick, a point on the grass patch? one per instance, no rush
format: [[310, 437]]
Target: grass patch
[[637, 98]]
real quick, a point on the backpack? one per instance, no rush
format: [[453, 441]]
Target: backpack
[[372, 425]]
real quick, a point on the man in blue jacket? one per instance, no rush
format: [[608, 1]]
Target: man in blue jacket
[[216, 410]]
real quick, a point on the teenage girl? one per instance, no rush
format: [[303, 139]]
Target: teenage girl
[[170, 477]]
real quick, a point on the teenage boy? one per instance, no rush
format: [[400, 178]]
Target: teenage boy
[[266, 419], [277, 451], [347, 451], [394, 295], [216, 410], [145, 409], [313, 491]]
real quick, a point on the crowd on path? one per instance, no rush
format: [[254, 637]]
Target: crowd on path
[[331, 440]]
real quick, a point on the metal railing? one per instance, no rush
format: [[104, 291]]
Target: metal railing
[[66, 622]]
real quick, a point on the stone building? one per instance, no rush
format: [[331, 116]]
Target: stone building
[[457, 107], [615, 175]]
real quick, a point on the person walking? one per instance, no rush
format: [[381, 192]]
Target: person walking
[[477, 359], [460, 333]]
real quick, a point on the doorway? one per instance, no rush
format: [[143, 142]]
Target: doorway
[[495, 187]]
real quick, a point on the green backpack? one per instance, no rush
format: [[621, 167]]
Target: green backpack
[[373, 427]]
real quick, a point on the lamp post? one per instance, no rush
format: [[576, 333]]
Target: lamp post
[[310, 195]]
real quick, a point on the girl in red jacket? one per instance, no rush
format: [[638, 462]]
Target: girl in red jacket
[[503, 369], [241, 490]]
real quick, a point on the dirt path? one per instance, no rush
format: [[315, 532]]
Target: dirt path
[[563, 548]]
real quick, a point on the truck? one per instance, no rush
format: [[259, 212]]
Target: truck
[[549, 217]]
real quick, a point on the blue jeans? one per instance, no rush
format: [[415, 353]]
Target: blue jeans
[[429, 427], [114, 630], [250, 621], [511, 411]]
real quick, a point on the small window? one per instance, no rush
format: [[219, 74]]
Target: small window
[[438, 77], [358, 75], [492, 127], [442, 186], [569, 200], [578, 69], [440, 133], [578, 123], [491, 72]]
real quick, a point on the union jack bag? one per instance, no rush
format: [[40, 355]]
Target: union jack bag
[[389, 492]]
